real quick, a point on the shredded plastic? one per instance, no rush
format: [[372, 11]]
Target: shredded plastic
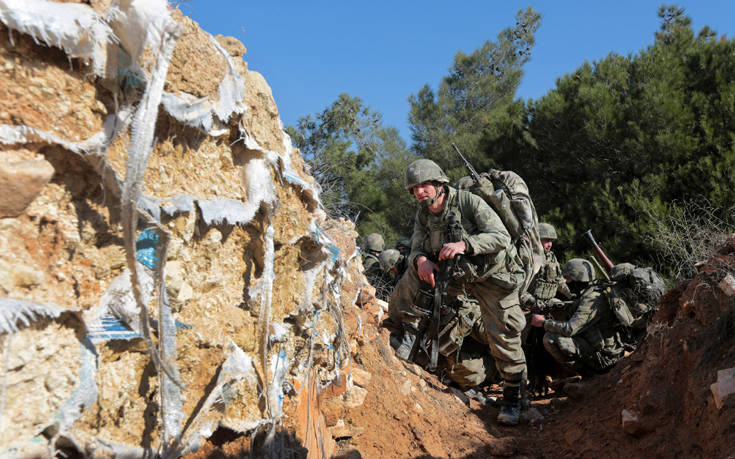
[[75, 28], [14, 312]]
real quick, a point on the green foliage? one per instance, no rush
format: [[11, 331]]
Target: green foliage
[[619, 142], [478, 84], [354, 158]]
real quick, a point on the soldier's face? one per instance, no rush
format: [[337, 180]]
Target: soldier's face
[[424, 191], [547, 243]]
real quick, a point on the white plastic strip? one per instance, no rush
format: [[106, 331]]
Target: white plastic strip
[[15, 312], [73, 27]]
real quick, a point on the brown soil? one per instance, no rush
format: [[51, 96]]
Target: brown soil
[[665, 384]]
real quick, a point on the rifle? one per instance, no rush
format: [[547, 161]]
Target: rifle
[[431, 305], [475, 176], [599, 253], [545, 307]]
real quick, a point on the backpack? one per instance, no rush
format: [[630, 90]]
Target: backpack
[[511, 200]]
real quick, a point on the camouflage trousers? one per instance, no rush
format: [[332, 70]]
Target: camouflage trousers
[[576, 353], [502, 324]]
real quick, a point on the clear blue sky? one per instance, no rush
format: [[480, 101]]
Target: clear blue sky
[[384, 51]]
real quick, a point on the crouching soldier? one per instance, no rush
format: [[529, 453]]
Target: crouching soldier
[[588, 342], [486, 251]]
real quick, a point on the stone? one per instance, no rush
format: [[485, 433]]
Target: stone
[[360, 377], [724, 387], [340, 430], [20, 183], [727, 285], [355, 397], [631, 423]]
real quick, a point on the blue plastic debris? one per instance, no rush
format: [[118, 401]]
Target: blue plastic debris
[[145, 248], [109, 328]]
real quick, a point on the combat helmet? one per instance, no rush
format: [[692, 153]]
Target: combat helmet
[[546, 231], [579, 270], [424, 170], [389, 258], [403, 244], [375, 242]]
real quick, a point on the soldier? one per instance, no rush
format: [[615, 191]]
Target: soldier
[[588, 342], [374, 245], [393, 263], [549, 282], [403, 245], [486, 250]]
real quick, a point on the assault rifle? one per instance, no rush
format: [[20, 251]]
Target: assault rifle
[[432, 305], [475, 176], [545, 307]]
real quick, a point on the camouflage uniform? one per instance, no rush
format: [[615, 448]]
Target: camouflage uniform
[[548, 283], [487, 240], [589, 340]]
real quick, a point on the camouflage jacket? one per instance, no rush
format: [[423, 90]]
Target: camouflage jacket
[[548, 282], [482, 230], [592, 319]]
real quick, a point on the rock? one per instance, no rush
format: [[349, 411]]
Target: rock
[[20, 183], [405, 386], [632, 424], [232, 45], [340, 430], [355, 397], [360, 377], [723, 387], [727, 285], [367, 295]]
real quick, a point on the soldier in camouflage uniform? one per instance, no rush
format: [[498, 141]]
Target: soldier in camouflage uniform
[[588, 342], [487, 251], [374, 245], [548, 282]]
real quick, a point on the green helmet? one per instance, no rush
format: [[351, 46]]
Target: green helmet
[[546, 231], [389, 258], [375, 242], [424, 170], [579, 270], [621, 270], [403, 243]]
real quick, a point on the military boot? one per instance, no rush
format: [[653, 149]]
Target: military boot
[[510, 408], [404, 343]]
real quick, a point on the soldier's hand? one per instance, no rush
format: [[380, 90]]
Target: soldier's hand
[[537, 320], [450, 249], [426, 268]]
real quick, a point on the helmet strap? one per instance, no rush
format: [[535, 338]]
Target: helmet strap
[[426, 203]]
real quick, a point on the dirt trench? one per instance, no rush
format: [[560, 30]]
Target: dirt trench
[[656, 402]]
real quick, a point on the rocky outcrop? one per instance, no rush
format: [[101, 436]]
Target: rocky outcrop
[[165, 270]]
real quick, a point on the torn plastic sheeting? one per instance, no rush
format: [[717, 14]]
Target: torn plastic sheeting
[[145, 247], [193, 112], [85, 394], [138, 24], [13, 311], [73, 27], [171, 411], [279, 366], [10, 135], [231, 88], [118, 301], [179, 203], [281, 162], [236, 367], [110, 328], [279, 333], [260, 190], [323, 239]]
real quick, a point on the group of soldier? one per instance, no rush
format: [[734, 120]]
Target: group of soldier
[[461, 304]]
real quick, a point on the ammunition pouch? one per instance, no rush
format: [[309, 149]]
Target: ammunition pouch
[[423, 303], [619, 307], [544, 290]]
